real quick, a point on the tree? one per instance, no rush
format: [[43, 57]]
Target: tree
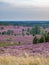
[[23, 32], [27, 33], [28, 30], [4, 32], [2, 28], [10, 32], [35, 40], [9, 39], [44, 36], [48, 33], [42, 39], [0, 33], [47, 38], [35, 30]]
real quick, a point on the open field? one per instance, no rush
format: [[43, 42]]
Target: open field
[[31, 49], [28, 60], [24, 45], [16, 39]]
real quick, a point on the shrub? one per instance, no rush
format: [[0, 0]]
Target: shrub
[[4, 32], [33, 34], [9, 39], [35, 30], [35, 40], [42, 39], [19, 42], [2, 28], [47, 38], [10, 32], [15, 34], [23, 32], [27, 33], [0, 33]]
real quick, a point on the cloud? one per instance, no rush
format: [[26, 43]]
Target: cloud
[[37, 3], [9, 12], [18, 2]]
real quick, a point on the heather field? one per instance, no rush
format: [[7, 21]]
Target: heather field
[[24, 32], [25, 55], [30, 49], [24, 45]]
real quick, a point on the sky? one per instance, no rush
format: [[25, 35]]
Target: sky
[[24, 10]]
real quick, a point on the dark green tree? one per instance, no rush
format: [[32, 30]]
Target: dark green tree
[[10, 32], [0, 33], [35, 40], [4, 32], [2, 28], [28, 30], [23, 32], [42, 39], [47, 38], [35, 30]]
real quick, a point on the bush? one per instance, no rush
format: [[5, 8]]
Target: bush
[[10, 32], [15, 34], [23, 32], [0, 33], [47, 38], [35, 40], [42, 39], [35, 30], [9, 39], [2, 28], [4, 32], [27, 33]]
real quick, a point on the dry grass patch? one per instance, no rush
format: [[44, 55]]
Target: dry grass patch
[[29, 60]]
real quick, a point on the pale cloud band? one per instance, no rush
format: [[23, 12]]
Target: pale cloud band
[[24, 9], [38, 3]]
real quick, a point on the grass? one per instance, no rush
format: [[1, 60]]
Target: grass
[[4, 44], [29, 60]]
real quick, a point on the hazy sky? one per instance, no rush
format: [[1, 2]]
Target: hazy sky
[[24, 9]]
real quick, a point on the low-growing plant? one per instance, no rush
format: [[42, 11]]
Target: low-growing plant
[[35, 40], [27, 33], [47, 38], [4, 32], [0, 33], [42, 39], [9, 39], [15, 34]]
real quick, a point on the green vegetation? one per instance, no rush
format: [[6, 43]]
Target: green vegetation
[[23, 32], [25, 23], [35, 40], [47, 38], [9, 39], [35, 30], [9, 32], [4, 44], [3, 33], [42, 39], [2, 28]]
